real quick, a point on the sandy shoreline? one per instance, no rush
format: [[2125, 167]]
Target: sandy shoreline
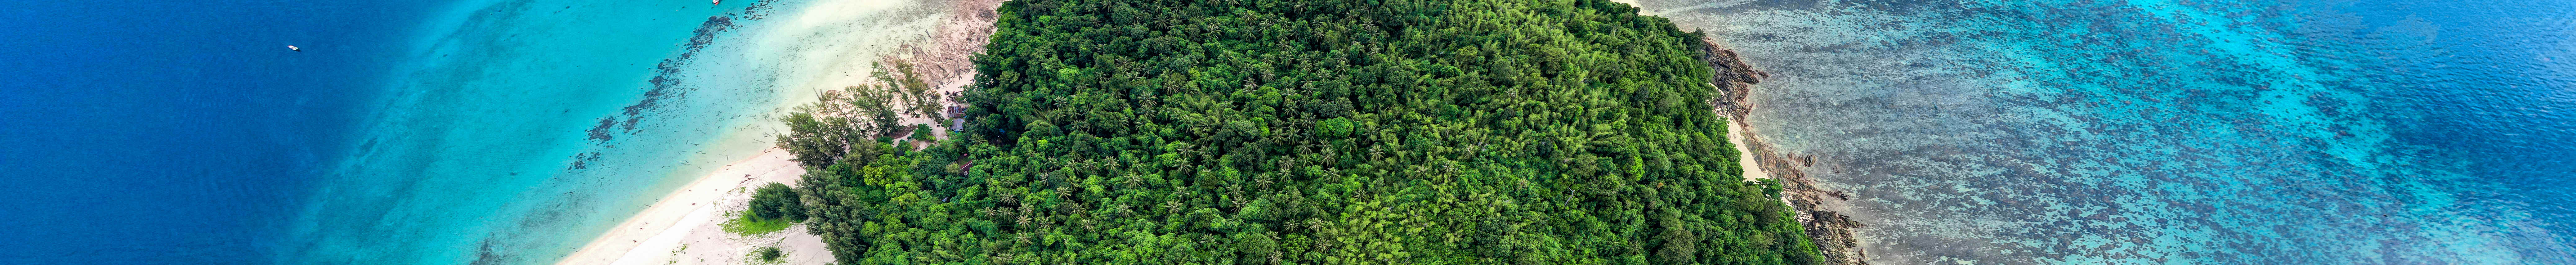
[[1736, 130], [682, 228]]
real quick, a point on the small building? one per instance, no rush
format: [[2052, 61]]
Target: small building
[[958, 125], [956, 112]]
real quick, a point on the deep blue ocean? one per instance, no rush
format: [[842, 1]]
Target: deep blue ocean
[[428, 132], [177, 132], [1968, 132]]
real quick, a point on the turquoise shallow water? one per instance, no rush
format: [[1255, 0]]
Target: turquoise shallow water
[[440, 132], [520, 129], [2175, 132]]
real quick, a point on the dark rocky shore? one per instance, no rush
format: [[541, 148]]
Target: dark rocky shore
[[1832, 231]]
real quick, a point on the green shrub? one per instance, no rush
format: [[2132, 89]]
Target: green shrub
[[776, 201], [768, 254]]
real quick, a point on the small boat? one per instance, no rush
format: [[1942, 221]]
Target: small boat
[[719, 2], [293, 48]]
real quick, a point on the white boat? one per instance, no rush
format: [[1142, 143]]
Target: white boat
[[293, 48], [719, 2]]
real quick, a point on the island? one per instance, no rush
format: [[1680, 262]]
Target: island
[[1303, 132]]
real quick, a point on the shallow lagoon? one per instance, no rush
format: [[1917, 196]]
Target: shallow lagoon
[[2190, 132]]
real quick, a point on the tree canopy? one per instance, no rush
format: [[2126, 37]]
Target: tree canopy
[[1313, 132]]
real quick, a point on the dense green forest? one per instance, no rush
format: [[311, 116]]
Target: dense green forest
[[1310, 132]]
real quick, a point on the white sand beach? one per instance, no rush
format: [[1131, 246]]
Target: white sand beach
[[682, 228]]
